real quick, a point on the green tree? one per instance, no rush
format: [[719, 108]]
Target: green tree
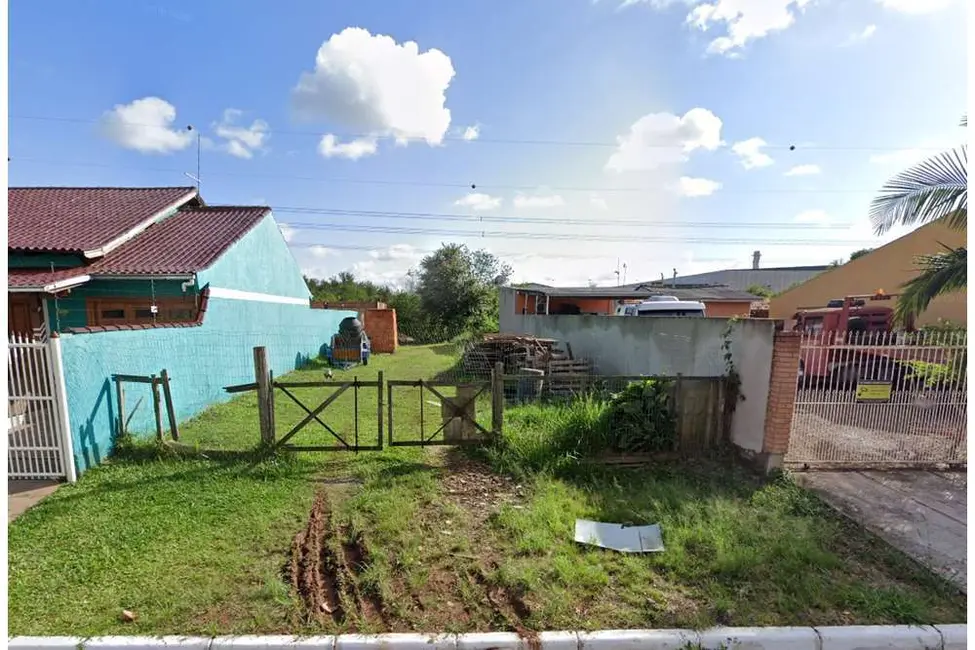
[[860, 253], [760, 290], [936, 189], [458, 288]]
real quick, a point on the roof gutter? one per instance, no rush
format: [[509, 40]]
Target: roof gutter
[[133, 232], [146, 276]]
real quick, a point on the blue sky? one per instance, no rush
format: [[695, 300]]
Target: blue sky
[[653, 131]]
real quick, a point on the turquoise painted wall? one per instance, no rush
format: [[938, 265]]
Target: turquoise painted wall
[[70, 310], [200, 360], [260, 262]]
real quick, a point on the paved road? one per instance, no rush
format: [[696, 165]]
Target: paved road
[[921, 513]]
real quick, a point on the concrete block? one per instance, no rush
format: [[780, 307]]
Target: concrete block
[[559, 640], [760, 638], [147, 643], [396, 641], [871, 637], [45, 642], [954, 637], [491, 641], [273, 642], [642, 639]]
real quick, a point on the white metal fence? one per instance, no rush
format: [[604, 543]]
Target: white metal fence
[[870, 399], [39, 443]]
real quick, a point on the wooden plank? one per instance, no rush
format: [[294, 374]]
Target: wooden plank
[[120, 395], [329, 448], [170, 411], [379, 408], [312, 415], [241, 388], [325, 384], [156, 407], [497, 399], [436, 384], [136, 379]]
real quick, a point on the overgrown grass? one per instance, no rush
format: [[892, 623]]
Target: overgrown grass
[[199, 545]]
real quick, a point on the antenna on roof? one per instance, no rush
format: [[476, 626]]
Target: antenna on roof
[[199, 148]]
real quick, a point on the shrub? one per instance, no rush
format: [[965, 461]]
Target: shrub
[[641, 418]]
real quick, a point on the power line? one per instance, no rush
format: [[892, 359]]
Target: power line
[[418, 183], [563, 221], [517, 141], [485, 234]]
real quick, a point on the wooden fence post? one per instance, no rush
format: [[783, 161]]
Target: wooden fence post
[[379, 409], [262, 376], [497, 398], [170, 410], [156, 407], [120, 393]]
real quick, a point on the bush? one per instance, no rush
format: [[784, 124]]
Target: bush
[[642, 419]]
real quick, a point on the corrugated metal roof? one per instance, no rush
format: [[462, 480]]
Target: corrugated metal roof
[[77, 219], [644, 290], [774, 279]]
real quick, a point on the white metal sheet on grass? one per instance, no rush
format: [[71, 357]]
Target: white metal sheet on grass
[[619, 537]]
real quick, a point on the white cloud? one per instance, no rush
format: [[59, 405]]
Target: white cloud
[[374, 85], [472, 132], [744, 20], [692, 187], [814, 217], [322, 252], [395, 252], [241, 141], [479, 202], [287, 231], [751, 154], [915, 6], [330, 147], [804, 170], [539, 201], [146, 126], [663, 138], [598, 202], [862, 35]]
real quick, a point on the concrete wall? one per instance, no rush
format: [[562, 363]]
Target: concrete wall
[[669, 346]]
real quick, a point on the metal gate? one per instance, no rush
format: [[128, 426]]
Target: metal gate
[[868, 399], [39, 445]]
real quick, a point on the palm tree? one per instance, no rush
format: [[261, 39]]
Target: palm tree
[[936, 189]]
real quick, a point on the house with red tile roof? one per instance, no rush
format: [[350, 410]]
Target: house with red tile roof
[[134, 280]]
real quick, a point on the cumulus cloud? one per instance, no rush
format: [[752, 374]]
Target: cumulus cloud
[[146, 126], [750, 153], [743, 20], [804, 170], [692, 187], [479, 202], [330, 147], [241, 141], [598, 202], [539, 201], [862, 35], [286, 231], [915, 6], [395, 252], [322, 252], [472, 132], [371, 84], [659, 139]]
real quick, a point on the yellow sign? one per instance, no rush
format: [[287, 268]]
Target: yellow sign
[[873, 391]]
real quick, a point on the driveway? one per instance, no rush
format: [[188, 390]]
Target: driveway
[[921, 513], [22, 495]]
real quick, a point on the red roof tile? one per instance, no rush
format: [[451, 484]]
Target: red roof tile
[[40, 278], [187, 242], [76, 219]]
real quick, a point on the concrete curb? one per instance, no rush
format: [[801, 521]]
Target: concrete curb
[[857, 637]]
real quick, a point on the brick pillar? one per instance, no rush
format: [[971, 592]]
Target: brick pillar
[[781, 397]]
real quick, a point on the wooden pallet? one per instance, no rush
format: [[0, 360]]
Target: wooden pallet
[[569, 376]]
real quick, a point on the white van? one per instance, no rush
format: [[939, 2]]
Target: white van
[[664, 306]]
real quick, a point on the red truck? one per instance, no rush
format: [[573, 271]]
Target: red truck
[[850, 341]]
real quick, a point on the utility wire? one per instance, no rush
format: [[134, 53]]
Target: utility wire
[[548, 236], [521, 141], [562, 221], [418, 183]]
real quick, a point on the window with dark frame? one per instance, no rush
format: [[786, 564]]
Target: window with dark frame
[[138, 311]]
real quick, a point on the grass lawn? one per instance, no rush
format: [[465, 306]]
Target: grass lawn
[[432, 540]]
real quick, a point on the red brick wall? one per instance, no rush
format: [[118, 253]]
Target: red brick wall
[[380, 325], [782, 392]]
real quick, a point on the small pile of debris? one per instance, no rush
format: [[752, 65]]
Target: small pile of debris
[[515, 351]]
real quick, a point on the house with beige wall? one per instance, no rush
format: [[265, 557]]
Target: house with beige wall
[[887, 267]]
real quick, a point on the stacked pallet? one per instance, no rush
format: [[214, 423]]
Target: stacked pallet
[[567, 377], [515, 351]]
